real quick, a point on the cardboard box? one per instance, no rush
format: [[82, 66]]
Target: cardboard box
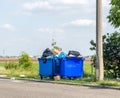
[[57, 78]]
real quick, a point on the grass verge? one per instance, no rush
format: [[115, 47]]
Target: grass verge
[[20, 73], [89, 77]]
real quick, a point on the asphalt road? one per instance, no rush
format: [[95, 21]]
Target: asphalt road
[[26, 89]]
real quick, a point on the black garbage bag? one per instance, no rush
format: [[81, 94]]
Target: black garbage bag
[[47, 52], [74, 53]]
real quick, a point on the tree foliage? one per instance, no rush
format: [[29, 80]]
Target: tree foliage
[[53, 43], [111, 54], [25, 61], [114, 13]]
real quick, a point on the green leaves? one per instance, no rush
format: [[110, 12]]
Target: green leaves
[[111, 53], [11, 65], [25, 61], [93, 44], [114, 13]]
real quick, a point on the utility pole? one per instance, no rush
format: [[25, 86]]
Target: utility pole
[[99, 42], [3, 52]]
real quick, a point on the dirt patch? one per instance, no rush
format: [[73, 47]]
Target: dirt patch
[[2, 68], [14, 59]]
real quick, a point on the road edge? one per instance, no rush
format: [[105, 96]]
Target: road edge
[[64, 83]]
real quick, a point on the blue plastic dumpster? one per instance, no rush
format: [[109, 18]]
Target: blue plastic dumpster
[[48, 67], [72, 67]]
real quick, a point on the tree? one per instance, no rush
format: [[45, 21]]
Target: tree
[[53, 43], [111, 54], [114, 13]]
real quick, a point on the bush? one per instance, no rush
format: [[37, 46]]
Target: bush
[[11, 65], [25, 61], [111, 53], [93, 60]]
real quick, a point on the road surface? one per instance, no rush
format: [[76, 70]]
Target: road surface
[[25, 89]]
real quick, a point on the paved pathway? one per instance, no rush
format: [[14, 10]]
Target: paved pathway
[[25, 89]]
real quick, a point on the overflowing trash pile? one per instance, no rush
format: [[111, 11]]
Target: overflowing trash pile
[[57, 64]]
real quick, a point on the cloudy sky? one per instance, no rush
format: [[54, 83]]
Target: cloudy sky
[[30, 25]]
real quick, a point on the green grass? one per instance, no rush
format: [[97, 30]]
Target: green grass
[[33, 72], [88, 70], [2, 64], [29, 73], [109, 82], [88, 78]]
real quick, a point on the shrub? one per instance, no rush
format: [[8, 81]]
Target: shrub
[[11, 65], [111, 53], [25, 61]]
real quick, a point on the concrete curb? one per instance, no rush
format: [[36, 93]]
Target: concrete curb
[[64, 83]]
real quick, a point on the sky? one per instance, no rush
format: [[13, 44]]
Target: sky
[[30, 25]]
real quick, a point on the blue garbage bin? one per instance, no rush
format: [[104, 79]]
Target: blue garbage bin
[[49, 67], [72, 67]]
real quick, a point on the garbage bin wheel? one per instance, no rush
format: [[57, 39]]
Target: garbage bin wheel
[[51, 77], [41, 77], [71, 78]]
